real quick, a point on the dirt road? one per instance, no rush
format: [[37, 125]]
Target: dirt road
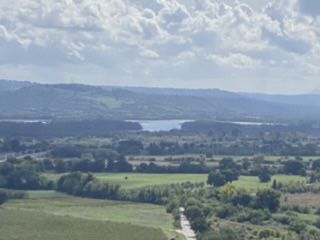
[[186, 229]]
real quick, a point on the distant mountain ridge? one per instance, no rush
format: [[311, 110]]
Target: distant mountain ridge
[[78, 101], [11, 85]]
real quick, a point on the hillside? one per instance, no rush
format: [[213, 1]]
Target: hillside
[[74, 101]]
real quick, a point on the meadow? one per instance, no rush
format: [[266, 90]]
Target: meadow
[[36, 225], [252, 183], [138, 180], [51, 202], [59, 216]]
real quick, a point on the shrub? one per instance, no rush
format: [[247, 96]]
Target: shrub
[[221, 234], [297, 226], [3, 197], [317, 223], [226, 211]]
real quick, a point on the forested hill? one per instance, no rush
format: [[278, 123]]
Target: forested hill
[[74, 101]]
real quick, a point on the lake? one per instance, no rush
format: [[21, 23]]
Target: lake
[[160, 125], [43, 121]]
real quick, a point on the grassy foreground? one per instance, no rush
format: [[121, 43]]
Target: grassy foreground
[[31, 225], [52, 215], [54, 203]]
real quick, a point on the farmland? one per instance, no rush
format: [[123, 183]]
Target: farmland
[[91, 209], [128, 181], [57, 215], [35, 225], [252, 183]]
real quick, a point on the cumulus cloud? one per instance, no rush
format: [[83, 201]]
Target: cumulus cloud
[[235, 60], [208, 43]]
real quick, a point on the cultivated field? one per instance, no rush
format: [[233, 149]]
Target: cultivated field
[[252, 183], [51, 215], [138, 180], [50, 202], [37, 225]]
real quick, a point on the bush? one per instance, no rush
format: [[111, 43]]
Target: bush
[[221, 234], [226, 211], [3, 197], [317, 223], [266, 234], [297, 226], [283, 219], [257, 217]]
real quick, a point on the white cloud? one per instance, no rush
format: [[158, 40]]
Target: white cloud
[[235, 60], [149, 54], [195, 43]]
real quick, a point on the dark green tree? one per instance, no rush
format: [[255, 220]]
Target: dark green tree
[[267, 199], [217, 179]]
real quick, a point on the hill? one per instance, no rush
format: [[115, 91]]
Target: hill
[[75, 101]]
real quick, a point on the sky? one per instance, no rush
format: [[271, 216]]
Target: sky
[[270, 46]]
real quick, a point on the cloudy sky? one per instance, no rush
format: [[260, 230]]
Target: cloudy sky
[[241, 45]]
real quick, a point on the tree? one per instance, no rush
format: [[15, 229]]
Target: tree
[[295, 167], [216, 178], [315, 177], [316, 164], [227, 163], [130, 147], [244, 199], [197, 219], [264, 176], [230, 174], [267, 199]]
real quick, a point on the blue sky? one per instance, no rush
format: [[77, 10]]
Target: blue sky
[[268, 46]]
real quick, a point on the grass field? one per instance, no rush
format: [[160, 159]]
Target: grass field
[[63, 205], [138, 180], [52, 215], [306, 199], [252, 183], [36, 225], [109, 102]]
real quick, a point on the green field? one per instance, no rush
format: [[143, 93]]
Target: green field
[[138, 180], [252, 183], [37, 225], [109, 102], [52, 215], [63, 205]]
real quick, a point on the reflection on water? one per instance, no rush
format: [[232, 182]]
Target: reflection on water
[[160, 125]]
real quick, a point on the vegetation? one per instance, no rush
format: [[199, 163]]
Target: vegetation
[[33, 225], [121, 177]]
